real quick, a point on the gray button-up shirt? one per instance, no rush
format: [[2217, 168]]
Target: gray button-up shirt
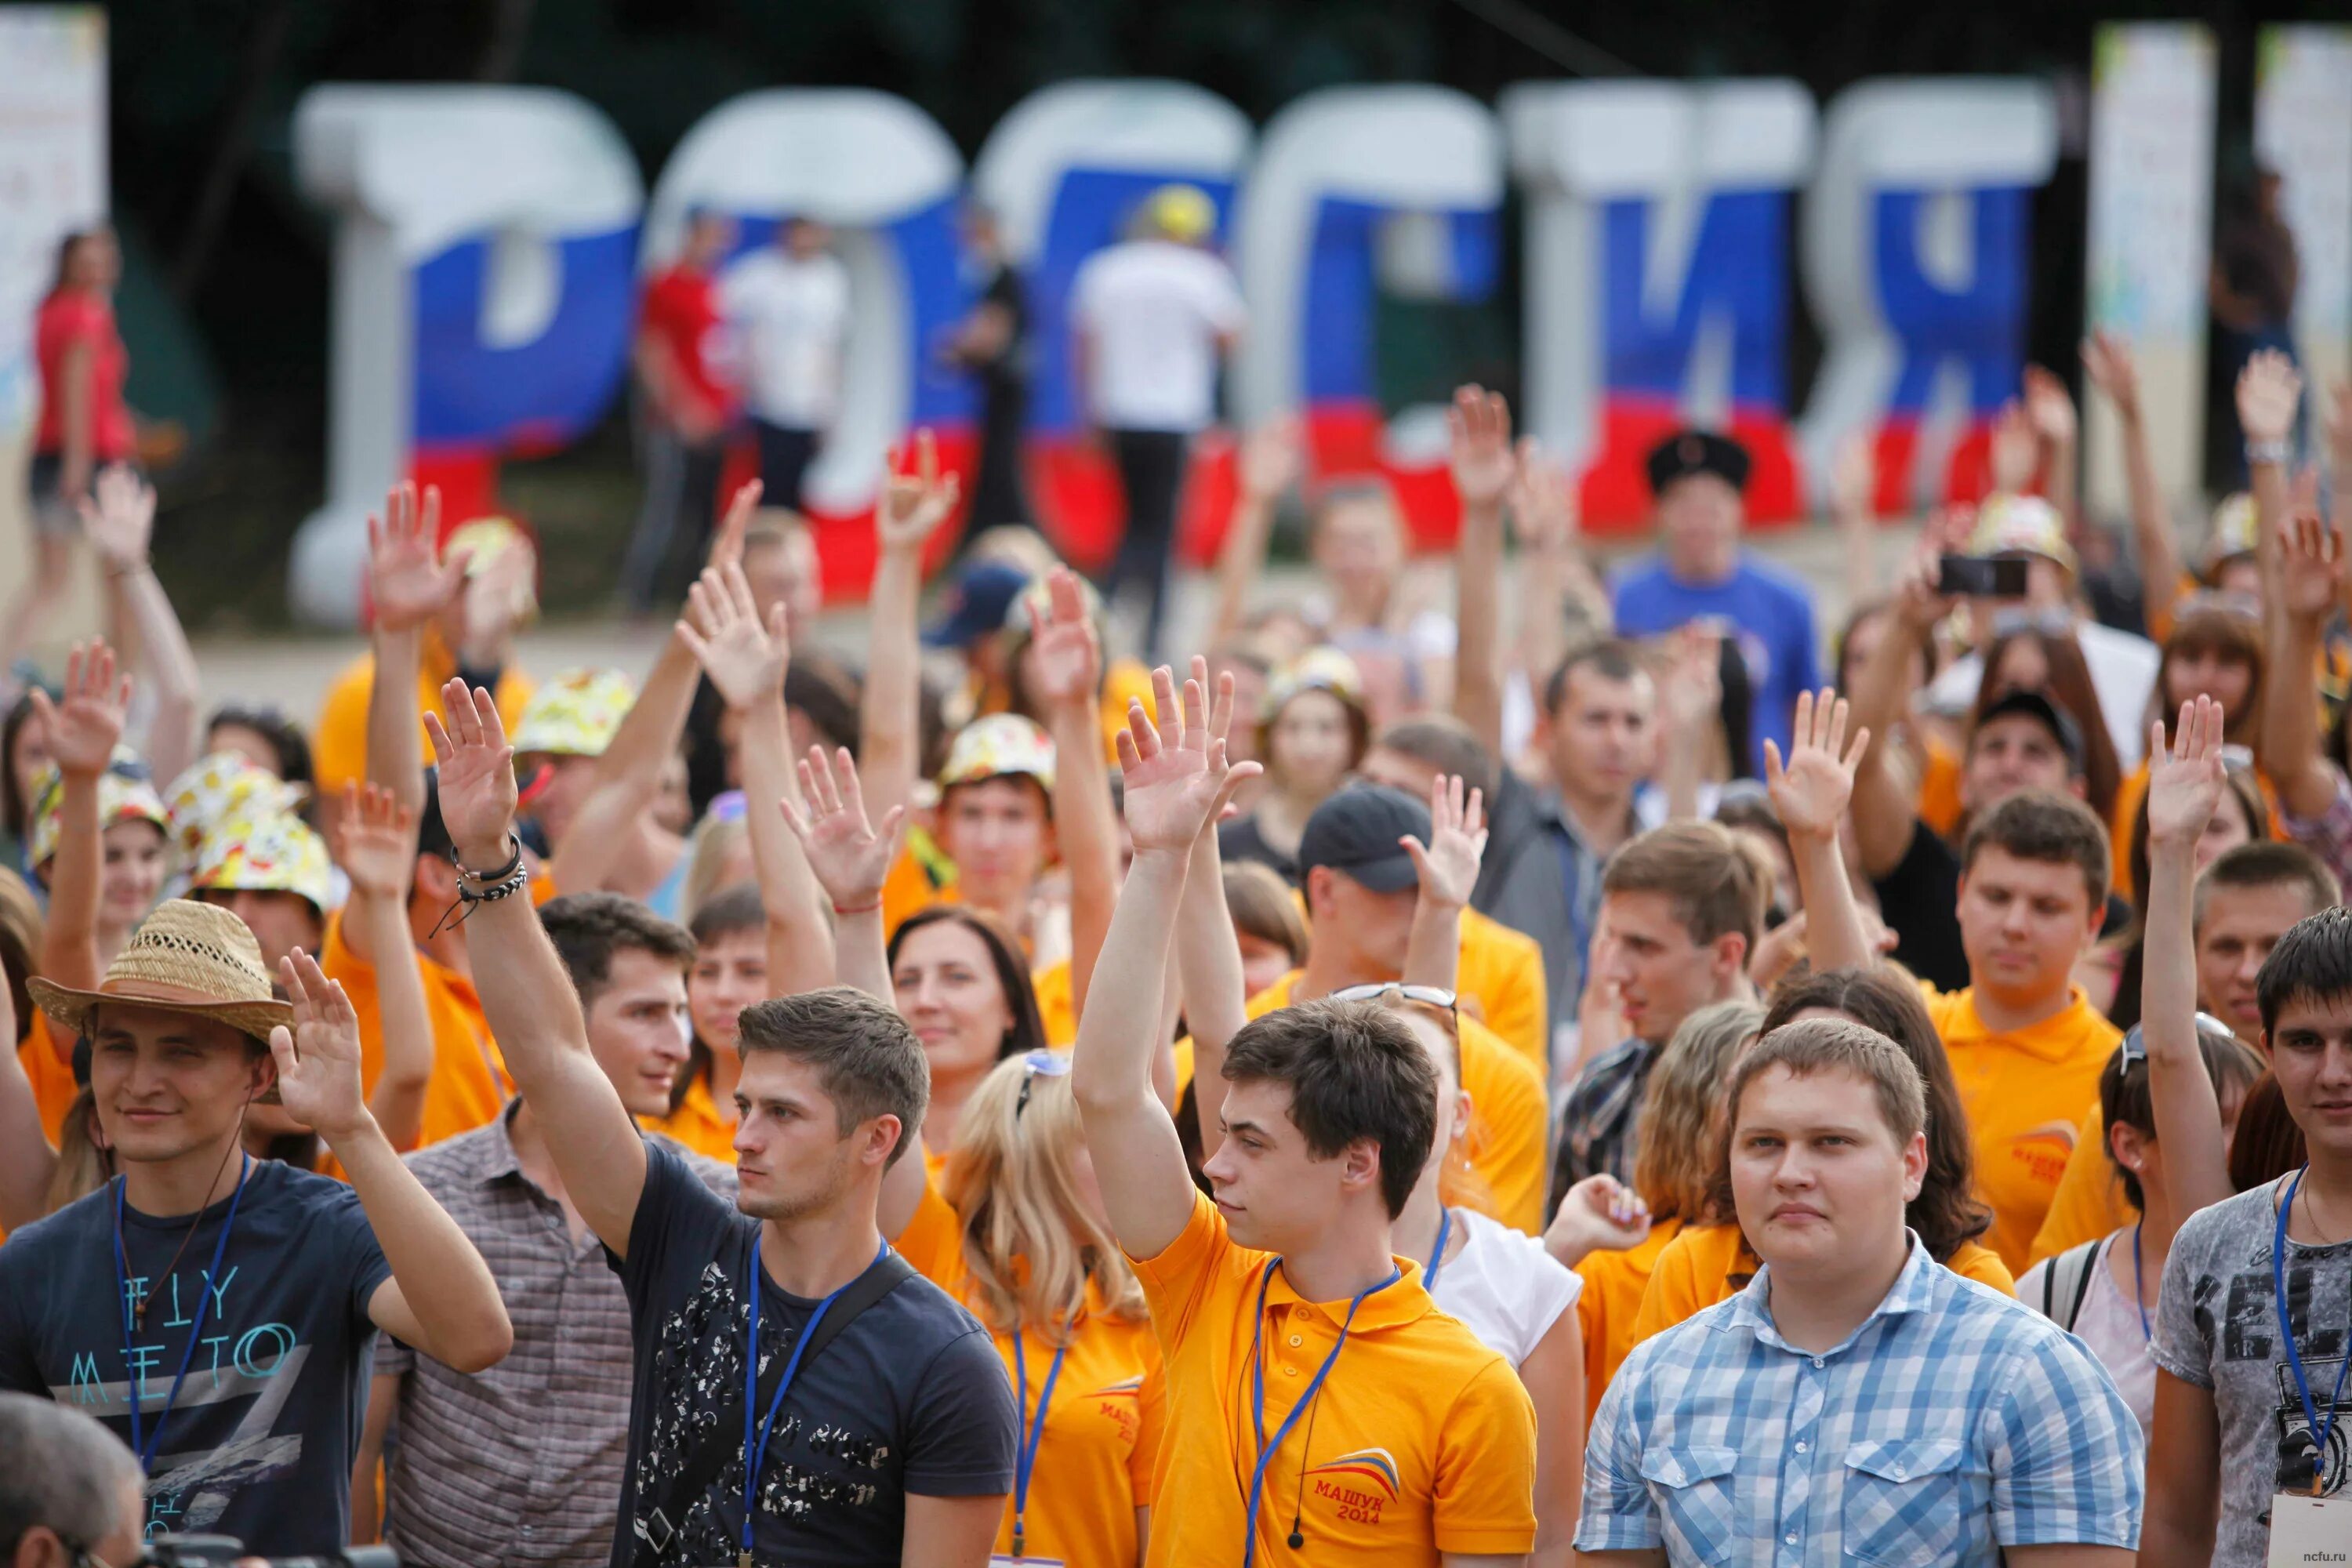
[[521, 1463], [1541, 877]]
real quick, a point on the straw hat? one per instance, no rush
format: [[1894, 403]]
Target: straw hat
[[185, 958]]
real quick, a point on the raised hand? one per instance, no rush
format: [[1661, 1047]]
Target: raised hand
[[477, 783], [2107, 362], [1853, 479], [120, 519], [1600, 1213], [914, 505], [2015, 450], [2268, 390], [1480, 425], [85, 723], [1272, 458], [2048, 407], [1178, 774], [849, 857], [1691, 695], [1065, 656], [408, 583], [375, 841], [2339, 431], [1813, 790], [318, 1058], [726, 543], [1457, 842], [498, 596], [2185, 781], [1543, 504], [746, 661], [2311, 566]]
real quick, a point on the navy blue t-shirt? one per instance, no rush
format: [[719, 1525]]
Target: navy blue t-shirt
[[261, 1441], [910, 1396], [1773, 614]]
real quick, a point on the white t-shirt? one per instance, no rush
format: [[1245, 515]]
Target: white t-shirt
[[2111, 1327], [2123, 674], [790, 318], [1505, 1286], [1153, 311]]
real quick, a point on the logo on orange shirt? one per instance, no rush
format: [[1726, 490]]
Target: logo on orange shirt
[[1361, 1483], [2044, 1150]]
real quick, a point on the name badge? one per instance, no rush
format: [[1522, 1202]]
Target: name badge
[[2310, 1531]]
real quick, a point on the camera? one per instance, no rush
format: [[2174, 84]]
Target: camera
[[224, 1551]]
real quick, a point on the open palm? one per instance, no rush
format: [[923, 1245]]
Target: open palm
[[1065, 658], [475, 782], [318, 1058], [1177, 775], [407, 580], [1448, 866], [2185, 780], [120, 518], [1480, 425], [2268, 390], [849, 857], [1812, 792], [1543, 504], [85, 722], [375, 841], [914, 505], [745, 660], [2311, 559]]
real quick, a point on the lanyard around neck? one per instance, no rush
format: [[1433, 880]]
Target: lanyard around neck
[[1437, 1253], [1265, 1450], [145, 1443], [2318, 1429], [755, 1437], [1029, 1433]]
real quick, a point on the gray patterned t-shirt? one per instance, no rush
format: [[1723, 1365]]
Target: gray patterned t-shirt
[[2218, 1327]]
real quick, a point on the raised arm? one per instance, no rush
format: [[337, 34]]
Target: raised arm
[[910, 510], [2185, 785], [441, 1298], [1885, 807], [1448, 866], [2269, 391], [2311, 569], [27, 1161], [408, 584], [527, 998], [375, 844], [1209, 969], [1271, 459], [2051, 408], [1690, 706], [848, 860], [1178, 780], [83, 727], [1812, 794], [746, 664], [2339, 453], [1853, 507], [1067, 669], [1484, 469], [120, 521], [2108, 365]]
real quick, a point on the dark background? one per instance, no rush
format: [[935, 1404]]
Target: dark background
[[227, 305]]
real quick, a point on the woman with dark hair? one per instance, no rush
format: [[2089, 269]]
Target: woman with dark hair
[[958, 980], [85, 423], [24, 756], [1707, 1264], [262, 735], [729, 974], [2242, 818], [2267, 1143], [2049, 661], [1312, 731], [2215, 650]]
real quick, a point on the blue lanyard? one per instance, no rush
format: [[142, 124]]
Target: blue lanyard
[[1029, 1433], [144, 1443], [2139, 1287], [1437, 1254], [2319, 1430], [755, 1438], [1265, 1450]]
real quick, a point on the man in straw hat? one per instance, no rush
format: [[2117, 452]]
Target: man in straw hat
[[185, 1302]]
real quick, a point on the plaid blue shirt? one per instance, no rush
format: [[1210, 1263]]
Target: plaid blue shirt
[[1951, 1424]]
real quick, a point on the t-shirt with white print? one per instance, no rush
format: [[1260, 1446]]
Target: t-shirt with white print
[[260, 1443], [2218, 1327]]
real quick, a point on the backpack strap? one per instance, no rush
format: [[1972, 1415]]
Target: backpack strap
[[2066, 1283], [656, 1527]]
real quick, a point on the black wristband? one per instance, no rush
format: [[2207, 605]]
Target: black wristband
[[513, 864]]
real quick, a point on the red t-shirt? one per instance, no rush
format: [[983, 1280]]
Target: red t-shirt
[[67, 319], [681, 308]]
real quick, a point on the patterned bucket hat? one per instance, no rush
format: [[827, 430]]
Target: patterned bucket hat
[[220, 786], [273, 852], [574, 715], [126, 793], [999, 745]]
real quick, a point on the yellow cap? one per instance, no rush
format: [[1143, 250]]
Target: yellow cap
[[1181, 213], [2236, 530], [2021, 525], [574, 715], [997, 746], [1317, 669]]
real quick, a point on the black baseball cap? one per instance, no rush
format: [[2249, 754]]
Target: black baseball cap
[[2051, 717], [1355, 833], [1688, 452]]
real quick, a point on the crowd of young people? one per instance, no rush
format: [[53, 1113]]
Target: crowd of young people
[[1382, 1092]]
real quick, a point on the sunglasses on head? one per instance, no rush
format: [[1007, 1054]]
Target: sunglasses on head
[[1435, 998], [2135, 1045], [1050, 1064]]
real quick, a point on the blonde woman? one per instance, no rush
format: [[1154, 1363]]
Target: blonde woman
[[1014, 1227]]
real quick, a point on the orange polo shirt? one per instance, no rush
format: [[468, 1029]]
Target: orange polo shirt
[[1711, 1263], [2024, 1094], [1507, 1108], [1606, 1307], [470, 1084], [339, 743], [1055, 1007], [2129, 793], [698, 1123], [51, 1071], [1103, 1428], [1423, 1440], [2089, 1202], [1503, 968]]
